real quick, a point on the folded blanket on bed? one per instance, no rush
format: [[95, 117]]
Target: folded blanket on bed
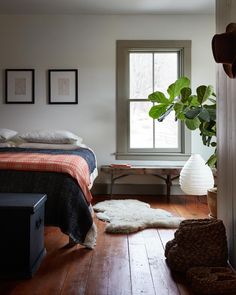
[[86, 153], [74, 165], [66, 206], [79, 163]]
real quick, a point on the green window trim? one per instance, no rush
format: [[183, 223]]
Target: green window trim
[[124, 47]]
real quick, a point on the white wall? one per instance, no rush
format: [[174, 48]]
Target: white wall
[[89, 44]]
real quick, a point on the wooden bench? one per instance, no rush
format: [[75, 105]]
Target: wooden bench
[[168, 174]]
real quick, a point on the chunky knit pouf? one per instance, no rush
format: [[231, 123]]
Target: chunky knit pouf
[[197, 242], [212, 280]]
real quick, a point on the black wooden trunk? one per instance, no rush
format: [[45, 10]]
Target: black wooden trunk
[[22, 234]]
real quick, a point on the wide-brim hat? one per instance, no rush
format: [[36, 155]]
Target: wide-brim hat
[[224, 49]]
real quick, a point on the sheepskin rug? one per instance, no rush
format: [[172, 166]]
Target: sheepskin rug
[[127, 216]]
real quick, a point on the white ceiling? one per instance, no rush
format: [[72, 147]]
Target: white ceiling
[[107, 6]]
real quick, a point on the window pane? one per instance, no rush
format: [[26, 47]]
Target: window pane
[[141, 125], [141, 75], [165, 70], [166, 132]]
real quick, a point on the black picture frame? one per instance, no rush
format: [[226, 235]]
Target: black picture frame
[[63, 86], [19, 86]]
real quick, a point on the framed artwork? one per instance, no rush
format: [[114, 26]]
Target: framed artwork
[[63, 86], [19, 86]]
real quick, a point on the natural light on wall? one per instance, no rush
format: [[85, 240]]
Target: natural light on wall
[[149, 72]]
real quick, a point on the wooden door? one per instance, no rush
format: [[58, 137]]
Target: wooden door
[[226, 134]]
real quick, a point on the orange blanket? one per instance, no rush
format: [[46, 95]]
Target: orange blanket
[[76, 166]]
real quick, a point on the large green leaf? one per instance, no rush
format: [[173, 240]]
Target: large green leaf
[[168, 110], [212, 113], [209, 125], [178, 107], [213, 144], [209, 140], [193, 101], [175, 88], [192, 124], [181, 116], [158, 96], [208, 132], [210, 106], [158, 110], [204, 115], [185, 93], [211, 162], [208, 128], [192, 113], [204, 138], [204, 92]]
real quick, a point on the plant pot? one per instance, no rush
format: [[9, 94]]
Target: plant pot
[[212, 202]]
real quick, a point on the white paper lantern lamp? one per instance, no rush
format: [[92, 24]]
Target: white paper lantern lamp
[[196, 176]]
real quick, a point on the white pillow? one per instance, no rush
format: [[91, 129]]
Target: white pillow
[[51, 136], [67, 146], [6, 134]]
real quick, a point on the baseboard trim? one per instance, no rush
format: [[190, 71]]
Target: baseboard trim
[[135, 189]]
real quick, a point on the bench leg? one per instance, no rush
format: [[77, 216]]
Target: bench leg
[[168, 187], [112, 183], [113, 179]]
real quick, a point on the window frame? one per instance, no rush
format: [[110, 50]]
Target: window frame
[[124, 47]]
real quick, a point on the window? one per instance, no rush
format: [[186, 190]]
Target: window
[[142, 68]]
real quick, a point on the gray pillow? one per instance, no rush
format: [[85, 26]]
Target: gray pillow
[[51, 136]]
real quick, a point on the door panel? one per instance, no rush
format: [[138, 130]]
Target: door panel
[[226, 135]]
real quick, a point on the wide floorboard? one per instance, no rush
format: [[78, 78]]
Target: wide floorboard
[[119, 265]]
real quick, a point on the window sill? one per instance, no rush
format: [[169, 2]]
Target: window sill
[[152, 156]]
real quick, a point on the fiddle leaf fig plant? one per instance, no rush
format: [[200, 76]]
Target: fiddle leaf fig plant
[[197, 111]]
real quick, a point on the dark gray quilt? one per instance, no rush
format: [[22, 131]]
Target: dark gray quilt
[[66, 206]]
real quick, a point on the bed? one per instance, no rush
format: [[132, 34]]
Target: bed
[[66, 176]]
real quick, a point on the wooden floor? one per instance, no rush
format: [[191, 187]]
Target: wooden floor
[[119, 265]]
